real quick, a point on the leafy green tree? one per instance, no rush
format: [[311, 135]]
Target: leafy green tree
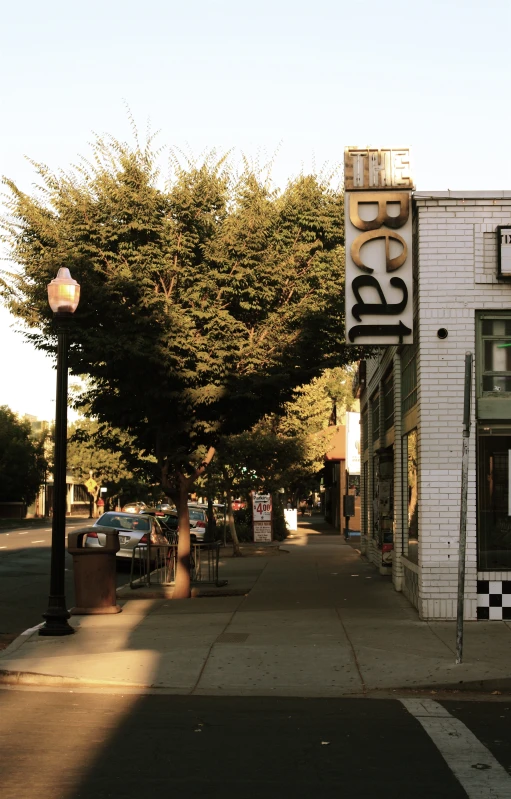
[[321, 402], [203, 302], [339, 387], [310, 417], [22, 461]]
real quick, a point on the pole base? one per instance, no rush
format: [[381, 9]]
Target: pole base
[[56, 622], [53, 628]]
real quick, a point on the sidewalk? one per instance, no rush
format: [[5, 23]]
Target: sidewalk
[[317, 621]]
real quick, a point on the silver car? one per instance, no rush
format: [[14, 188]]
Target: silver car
[[134, 529]]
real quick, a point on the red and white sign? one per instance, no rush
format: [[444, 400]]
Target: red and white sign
[[261, 515], [262, 508]]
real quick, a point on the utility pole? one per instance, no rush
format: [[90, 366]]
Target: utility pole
[[463, 508]]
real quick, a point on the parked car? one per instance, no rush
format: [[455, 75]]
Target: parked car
[[164, 506], [134, 529], [134, 507], [167, 520], [199, 521]]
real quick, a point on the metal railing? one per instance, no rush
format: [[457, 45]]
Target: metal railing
[[156, 564]]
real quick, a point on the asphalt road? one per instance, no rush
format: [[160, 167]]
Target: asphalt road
[[69, 745], [25, 576]]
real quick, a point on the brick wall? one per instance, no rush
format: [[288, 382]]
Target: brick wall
[[457, 258]]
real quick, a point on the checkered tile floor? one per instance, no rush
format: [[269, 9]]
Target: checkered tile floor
[[494, 599]]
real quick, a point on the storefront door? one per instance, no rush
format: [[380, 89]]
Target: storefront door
[[494, 511]]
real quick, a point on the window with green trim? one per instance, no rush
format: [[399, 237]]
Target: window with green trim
[[493, 359]]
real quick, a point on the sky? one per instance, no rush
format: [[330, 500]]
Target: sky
[[286, 80]]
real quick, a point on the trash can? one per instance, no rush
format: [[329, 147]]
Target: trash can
[[94, 572]]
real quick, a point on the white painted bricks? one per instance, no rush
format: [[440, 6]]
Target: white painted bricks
[[457, 267], [457, 256]]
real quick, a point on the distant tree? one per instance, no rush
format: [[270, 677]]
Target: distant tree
[[203, 303], [339, 387], [103, 454], [321, 402], [256, 460], [310, 417], [22, 461]]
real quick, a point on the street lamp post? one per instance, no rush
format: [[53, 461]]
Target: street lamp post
[[63, 296]]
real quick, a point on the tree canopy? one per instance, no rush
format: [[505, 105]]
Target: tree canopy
[[22, 461], [204, 302]]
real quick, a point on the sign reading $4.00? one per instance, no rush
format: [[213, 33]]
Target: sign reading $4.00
[[262, 507]]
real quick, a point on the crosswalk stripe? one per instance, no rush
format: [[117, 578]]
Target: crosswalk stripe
[[473, 765]]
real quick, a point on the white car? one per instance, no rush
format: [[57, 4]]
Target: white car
[[199, 522]]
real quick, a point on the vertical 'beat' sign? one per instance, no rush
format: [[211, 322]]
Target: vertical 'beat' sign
[[378, 216]]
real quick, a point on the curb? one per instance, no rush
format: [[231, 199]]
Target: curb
[[475, 687], [22, 638], [54, 680]]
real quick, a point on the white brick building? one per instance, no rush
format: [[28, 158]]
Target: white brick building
[[412, 411]]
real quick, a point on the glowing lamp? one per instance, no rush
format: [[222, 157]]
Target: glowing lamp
[[63, 292]]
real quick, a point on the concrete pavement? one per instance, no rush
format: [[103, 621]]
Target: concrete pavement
[[316, 621]]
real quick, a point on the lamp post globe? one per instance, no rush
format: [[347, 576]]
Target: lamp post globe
[[63, 292], [63, 297]]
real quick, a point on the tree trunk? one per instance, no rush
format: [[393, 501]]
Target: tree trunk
[[182, 589], [236, 551], [178, 487], [224, 520]]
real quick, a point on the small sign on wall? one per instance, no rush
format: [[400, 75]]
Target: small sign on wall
[[353, 442], [504, 251]]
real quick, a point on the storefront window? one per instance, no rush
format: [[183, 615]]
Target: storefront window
[[375, 412], [365, 430], [388, 401], [365, 509], [386, 503], [375, 532], [411, 475], [409, 377], [495, 354], [494, 519]]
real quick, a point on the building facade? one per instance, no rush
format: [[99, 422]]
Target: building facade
[[411, 398]]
